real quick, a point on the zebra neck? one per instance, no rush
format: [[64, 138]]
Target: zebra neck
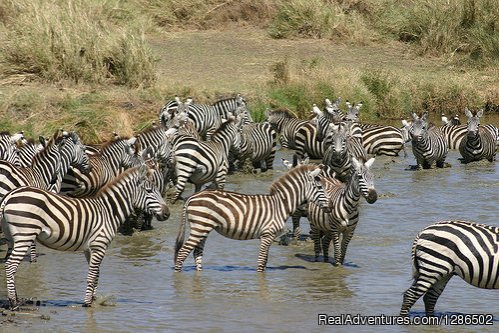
[[46, 163], [351, 192], [288, 201], [117, 201]]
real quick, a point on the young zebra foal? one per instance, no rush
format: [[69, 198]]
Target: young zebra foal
[[72, 224], [242, 216], [449, 248]]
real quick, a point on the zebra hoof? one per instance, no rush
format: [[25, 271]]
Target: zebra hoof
[[87, 305]]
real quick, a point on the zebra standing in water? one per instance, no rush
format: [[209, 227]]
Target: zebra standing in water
[[340, 223], [287, 125], [72, 224], [241, 216], [258, 144], [343, 146], [200, 162], [428, 143], [8, 149], [479, 143], [449, 248]]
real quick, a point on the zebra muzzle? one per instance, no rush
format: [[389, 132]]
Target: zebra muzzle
[[372, 196], [164, 214]]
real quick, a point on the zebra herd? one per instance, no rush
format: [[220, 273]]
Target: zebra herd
[[73, 197]]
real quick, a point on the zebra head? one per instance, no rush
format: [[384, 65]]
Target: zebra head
[[167, 112], [352, 111], [315, 189], [147, 196], [419, 129], [8, 148], [75, 150], [473, 122], [337, 136], [361, 170]]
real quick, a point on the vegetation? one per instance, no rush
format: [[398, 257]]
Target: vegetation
[[93, 65]]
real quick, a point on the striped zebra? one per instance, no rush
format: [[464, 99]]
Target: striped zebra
[[340, 223], [73, 224], [8, 149], [447, 248], [200, 162], [382, 139], [258, 145], [308, 141], [168, 111], [49, 166], [342, 147], [114, 156], [454, 134], [287, 125], [241, 216], [479, 143], [428, 143]]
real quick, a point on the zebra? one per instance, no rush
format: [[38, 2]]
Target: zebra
[[200, 162], [428, 143], [447, 248], [454, 134], [382, 139], [287, 125], [74, 224], [258, 144], [8, 149], [479, 143], [241, 216], [340, 223], [343, 147], [168, 111], [114, 156]]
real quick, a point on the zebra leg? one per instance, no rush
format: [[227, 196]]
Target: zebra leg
[[326, 240], [32, 253], [17, 254], [295, 218], [432, 295], [335, 235], [263, 255], [94, 257], [192, 242], [421, 284], [269, 161], [198, 254], [347, 236], [316, 237]]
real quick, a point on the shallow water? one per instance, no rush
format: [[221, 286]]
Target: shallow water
[[139, 291]]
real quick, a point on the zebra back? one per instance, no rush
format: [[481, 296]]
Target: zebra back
[[287, 125], [228, 106]]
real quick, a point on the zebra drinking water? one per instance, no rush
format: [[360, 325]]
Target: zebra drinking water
[[447, 248], [242, 216], [74, 224]]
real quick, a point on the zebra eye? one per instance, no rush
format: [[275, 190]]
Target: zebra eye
[[148, 190]]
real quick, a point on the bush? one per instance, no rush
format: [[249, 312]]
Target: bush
[[74, 41]]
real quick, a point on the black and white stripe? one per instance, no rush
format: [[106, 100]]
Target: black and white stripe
[[479, 142], [241, 216], [8, 148], [258, 145], [71, 224], [114, 156], [340, 223], [449, 248], [382, 139], [287, 125], [429, 145], [200, 162]]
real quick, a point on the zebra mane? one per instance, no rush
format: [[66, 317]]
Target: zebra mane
[[2, 133], [296, 170], [283, 112], [112, 142]]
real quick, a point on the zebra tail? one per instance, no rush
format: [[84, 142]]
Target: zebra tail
[[179, 242]]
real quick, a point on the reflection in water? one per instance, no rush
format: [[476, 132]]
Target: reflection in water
[[229, 295]]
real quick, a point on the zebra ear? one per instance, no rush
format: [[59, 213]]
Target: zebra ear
[[355, 163], [315, 172], [369, 163], [479, 113], [16, 137], [424, 117], [467, 112]]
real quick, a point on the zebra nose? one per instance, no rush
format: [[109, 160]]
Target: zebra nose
[[164, 214], [372, 196]]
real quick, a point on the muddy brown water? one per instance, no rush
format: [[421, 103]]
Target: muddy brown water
[[139, 291]]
